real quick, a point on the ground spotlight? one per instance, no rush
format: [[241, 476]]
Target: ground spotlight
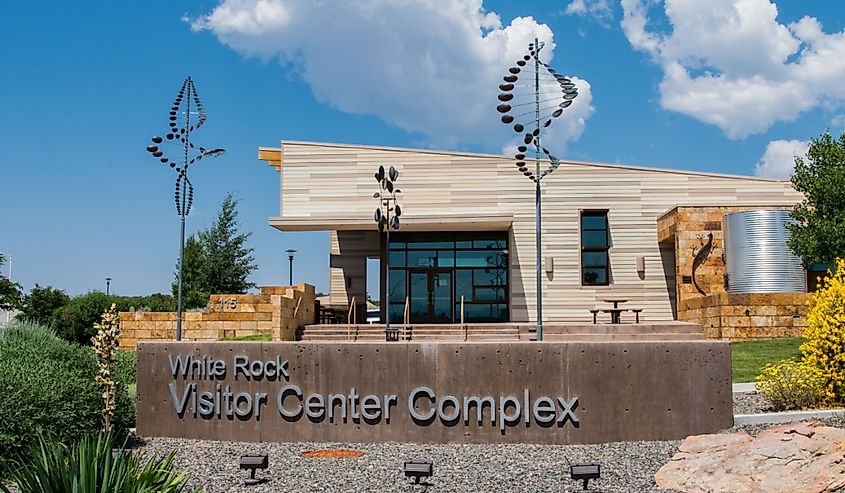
[[418, 469], [585, 472], [253, 462]]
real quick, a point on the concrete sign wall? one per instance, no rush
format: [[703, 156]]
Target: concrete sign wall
[[568, 392]]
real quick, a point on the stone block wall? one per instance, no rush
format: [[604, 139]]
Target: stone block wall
[[749, 316], [276, 310]]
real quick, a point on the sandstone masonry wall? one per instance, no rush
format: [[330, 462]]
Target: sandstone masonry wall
[[276, 310], [723, 315]]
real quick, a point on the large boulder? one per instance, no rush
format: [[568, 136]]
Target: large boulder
[[805, 457]]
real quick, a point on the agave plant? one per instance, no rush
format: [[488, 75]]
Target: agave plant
[[91, 466]]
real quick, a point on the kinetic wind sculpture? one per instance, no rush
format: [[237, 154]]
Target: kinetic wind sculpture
[[387, 203], [543, 99], [179, 135]]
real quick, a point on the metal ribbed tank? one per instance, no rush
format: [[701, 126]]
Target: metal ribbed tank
[[757, 258]]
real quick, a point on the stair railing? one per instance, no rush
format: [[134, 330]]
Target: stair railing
[[463, 325], [350, 316]]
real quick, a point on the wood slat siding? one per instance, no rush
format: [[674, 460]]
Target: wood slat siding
[[323, 182]]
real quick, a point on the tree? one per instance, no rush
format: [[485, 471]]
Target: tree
[[194, 294], [41, 304], [228, 263], [216, 260], [10, 292], [819, 235]]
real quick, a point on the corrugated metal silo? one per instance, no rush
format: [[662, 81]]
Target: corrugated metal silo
[[756, 255]]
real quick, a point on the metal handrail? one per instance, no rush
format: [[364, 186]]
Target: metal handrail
[[463, 325], [406, 318], [349, 317]]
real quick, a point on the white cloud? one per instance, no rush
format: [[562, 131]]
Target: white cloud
[[429, 67], [730, 63], [598, 9], [779, 159]]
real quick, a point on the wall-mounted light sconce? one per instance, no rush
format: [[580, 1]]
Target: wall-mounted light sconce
[[549, 263], [640, 264]]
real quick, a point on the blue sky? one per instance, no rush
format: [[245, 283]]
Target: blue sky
[[723, 86]]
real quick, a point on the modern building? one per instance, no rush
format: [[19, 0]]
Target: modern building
[[467, 231]]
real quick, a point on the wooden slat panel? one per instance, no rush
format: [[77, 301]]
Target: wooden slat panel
[[322, 182]]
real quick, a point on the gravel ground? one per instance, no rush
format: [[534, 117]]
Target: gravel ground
[[626, 466], [749, 403]]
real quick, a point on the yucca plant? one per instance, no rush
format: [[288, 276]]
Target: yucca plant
[[90, 466]]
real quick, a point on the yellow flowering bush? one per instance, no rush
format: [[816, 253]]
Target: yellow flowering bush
[[824, 348], [791, 384]]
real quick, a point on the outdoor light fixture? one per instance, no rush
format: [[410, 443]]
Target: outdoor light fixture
[[108, 283], [535, 105], [290, 252], [585, 472], [253, 462], [418, 469], [179, 133], [387, 203]]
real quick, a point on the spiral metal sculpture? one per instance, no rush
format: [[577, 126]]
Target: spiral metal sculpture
[[531, 107], [179, 134]]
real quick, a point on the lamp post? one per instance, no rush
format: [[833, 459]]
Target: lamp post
[[108, 282], [180, 132], [551, 93], [387, 203], [290, 252]]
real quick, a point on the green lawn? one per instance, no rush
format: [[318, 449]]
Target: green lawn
[[749, 357], [254, 337]]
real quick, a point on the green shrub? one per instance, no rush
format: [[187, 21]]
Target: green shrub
[[125, 367], [48, 387], [89, 466], [41, 303], [75, 320], [791, 384]]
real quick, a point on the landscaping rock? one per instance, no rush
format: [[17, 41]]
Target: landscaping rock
[[805, 457]]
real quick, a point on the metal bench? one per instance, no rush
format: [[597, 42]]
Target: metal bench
[[637, 313]]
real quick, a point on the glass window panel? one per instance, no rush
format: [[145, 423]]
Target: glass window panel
[[397, 286], [463, 244], [397, 245], [499, 313], [397, 313], [476, 258], [463, 284], [594, 239], [489, 244], [594, 276], [490, 294], [445, 258], [594, 259], [491, 277], [427, 245], [477, 313], [422, 259], [397, 259], [594, 221]]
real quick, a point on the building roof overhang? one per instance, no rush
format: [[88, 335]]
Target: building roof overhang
[[477, 221]]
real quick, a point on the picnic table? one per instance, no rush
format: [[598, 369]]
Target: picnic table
[[615, 312]]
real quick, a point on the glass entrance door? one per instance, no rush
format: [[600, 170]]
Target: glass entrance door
[[430, 295]]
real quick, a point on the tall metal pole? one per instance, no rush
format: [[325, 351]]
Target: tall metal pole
[[290, 252], [386, 300], [537, 200], [182, 215], [108, 284]]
